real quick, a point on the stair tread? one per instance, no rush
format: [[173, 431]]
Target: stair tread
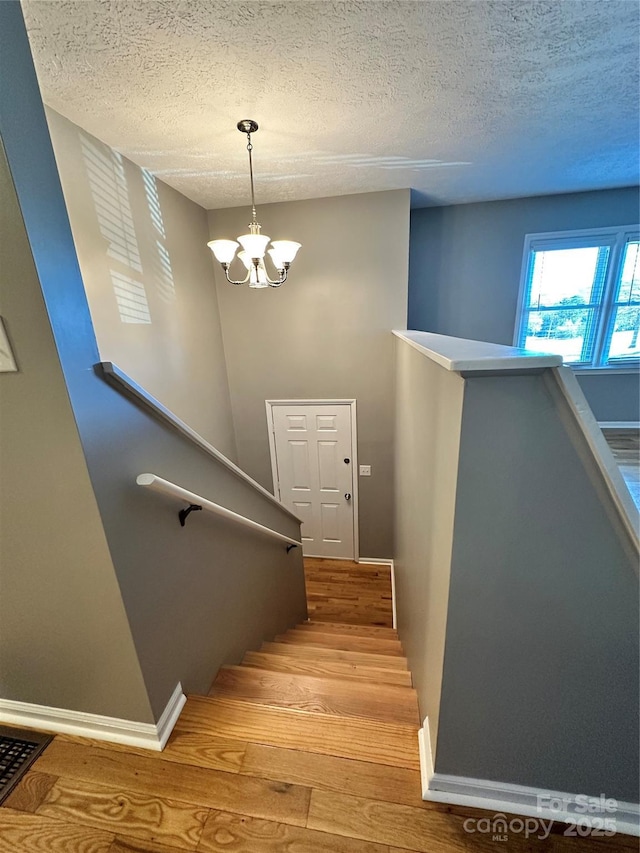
[[318, 695], [357, 614], [326, 667], [373, 631], [349, 585], [318, 653], [337, 641], [393, 744]]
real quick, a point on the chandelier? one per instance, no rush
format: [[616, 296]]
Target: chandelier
[[254, 244]]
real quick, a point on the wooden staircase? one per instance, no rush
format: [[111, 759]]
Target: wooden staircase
[[329, 688], [310, 745]]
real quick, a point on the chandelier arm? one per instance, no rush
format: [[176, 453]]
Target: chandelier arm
[[281, 280], [225, 267], [282, 275]]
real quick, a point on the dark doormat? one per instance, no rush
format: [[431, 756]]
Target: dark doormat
[[18, 750]]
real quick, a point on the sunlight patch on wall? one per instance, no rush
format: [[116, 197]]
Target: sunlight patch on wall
[[131, 299], [163, 274], [153, 201], [162, 271], [110, 194]]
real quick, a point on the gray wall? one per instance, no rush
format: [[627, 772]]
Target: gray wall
[[464, 272], [147, 271], [427, 439], [323, 334], [194, 597], [64, 636], [540, 682]]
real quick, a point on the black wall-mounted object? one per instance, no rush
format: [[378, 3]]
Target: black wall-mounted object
[[182, 515]]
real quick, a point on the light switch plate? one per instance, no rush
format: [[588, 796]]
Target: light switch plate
[[365, 470]]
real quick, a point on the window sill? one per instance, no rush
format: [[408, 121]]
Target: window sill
[[609, 371]]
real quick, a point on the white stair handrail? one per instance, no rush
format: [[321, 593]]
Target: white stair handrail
[[152, 481]]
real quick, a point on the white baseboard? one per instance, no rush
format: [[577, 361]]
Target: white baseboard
[[169, 716], [426, 757], [506, 798], [128, 732], [373, 561], [393, 595]]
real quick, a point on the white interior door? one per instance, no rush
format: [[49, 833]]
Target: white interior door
[[313, 470]]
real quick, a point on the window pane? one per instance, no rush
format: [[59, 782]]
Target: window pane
[[562, 332], [630, 280], [624, 339], [567, 276]]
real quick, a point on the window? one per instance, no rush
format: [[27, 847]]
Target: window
[[580, 297]]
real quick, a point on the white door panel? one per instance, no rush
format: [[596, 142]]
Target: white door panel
[[329, 522], [300, 468], [311, 444], [328, 471]]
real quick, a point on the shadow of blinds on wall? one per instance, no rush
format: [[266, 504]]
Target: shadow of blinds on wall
[[162, 271], [110, 194]]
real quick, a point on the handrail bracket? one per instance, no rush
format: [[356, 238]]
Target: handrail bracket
[[182, 515]]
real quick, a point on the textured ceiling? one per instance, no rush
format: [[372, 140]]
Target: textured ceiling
[[461, 100]]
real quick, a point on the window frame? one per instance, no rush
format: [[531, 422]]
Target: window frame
[[616, 237]]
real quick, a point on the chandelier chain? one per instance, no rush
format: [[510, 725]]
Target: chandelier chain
[[253, 198]]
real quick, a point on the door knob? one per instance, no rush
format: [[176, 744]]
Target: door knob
[[346, 460], [348, 496]]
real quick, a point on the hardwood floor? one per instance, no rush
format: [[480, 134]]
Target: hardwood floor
[[347, 592], [310, 746]]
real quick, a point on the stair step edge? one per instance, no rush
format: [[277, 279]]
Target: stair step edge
[[347, 670], [358, 685], [259, 706]]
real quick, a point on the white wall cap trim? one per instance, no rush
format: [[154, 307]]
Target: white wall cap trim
[[462, 355], [128, 732], [112, 374]]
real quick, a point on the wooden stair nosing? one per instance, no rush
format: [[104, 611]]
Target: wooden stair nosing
[[336, 641], [358, 617], [322, 609], [366, 740], [369, 586], [318, 652], [373, 631], [318, 695], [329, 668]]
